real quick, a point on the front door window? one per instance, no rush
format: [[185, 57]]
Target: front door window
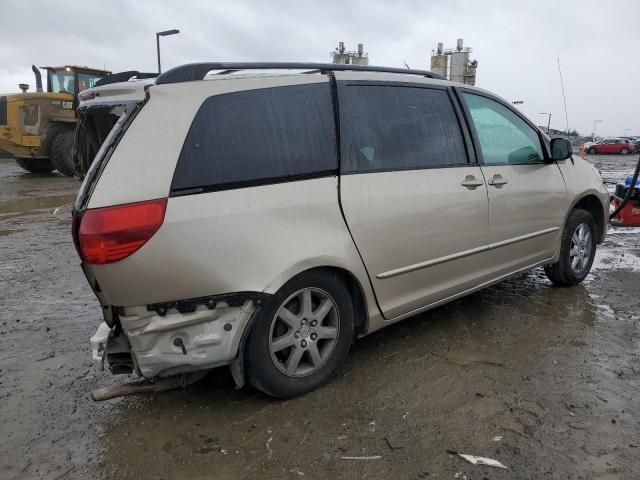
[[504, 137]]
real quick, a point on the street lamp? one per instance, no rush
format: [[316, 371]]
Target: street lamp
[[163, 34], [593, 135], [548, 121]]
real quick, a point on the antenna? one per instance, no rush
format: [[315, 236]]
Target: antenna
[[564, 98]]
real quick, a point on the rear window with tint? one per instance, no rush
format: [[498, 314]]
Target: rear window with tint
[[259, 136], [399, 128]]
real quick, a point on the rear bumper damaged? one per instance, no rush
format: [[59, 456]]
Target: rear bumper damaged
[[169, 339]]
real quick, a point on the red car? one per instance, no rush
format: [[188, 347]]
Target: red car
[[612, 145]]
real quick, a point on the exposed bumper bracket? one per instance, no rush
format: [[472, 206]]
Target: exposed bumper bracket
[[137, 388], [188, 306]]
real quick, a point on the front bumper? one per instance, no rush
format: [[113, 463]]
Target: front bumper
[[174, 342]]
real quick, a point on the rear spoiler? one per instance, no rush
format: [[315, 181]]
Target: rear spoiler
[[124, 77]]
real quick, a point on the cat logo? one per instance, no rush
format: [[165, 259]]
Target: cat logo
[[67, 105]]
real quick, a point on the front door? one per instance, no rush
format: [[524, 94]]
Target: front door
[[527, 196], [608, 146], [416, 207]]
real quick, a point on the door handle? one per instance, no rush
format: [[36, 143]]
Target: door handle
[[471, 182], [497, 181]]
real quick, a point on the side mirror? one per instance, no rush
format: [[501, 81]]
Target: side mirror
[[561, 149]]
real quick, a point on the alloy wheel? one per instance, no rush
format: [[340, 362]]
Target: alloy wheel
[[580, 248], [304, 332]]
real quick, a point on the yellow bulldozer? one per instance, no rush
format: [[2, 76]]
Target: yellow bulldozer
[[37, 128]]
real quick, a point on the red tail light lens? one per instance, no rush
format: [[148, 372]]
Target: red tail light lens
[[109, 234]]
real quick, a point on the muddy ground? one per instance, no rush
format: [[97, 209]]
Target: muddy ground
[[545, 380]]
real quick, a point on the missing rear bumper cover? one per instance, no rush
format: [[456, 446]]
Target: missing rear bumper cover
[[190, 305]]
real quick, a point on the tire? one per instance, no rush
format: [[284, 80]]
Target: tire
[[624, 151], [35, 165], [577, 250], [286, 354], [87, 149], [592, 151], [61, 157]]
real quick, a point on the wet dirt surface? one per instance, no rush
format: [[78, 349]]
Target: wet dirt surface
[[545, 380]]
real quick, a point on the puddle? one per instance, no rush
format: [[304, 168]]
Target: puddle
[[41, 203]]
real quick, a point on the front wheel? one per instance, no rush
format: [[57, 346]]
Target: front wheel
[[624, 151], [302, 336], [592, 151], [577, 250]]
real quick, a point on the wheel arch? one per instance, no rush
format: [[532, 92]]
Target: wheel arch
[[357, 290], [592, 204], [357, 295]]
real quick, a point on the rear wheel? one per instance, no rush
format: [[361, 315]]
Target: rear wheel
[[592, 151], [302, 337], [61, 153], [577, 250], [35, 165], [624, 151]]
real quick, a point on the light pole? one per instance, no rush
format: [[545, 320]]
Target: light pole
[[548, 121], [593, 135], [163, 34]]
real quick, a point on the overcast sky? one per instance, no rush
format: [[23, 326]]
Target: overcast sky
[[516, 43]]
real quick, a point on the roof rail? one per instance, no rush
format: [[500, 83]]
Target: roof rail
[[197, 71], [123, 77]]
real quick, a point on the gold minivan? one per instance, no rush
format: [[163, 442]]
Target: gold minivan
[[265, 220]]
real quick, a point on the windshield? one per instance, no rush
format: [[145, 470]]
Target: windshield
[[61, 81], [64, 80]]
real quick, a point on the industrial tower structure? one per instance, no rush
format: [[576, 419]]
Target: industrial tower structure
[[358, 57], [454, 64]]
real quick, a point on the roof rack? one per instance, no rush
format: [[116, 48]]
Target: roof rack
[[123, 77], [197, 71]]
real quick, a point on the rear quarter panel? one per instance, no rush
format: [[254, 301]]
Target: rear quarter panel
[[249, 239]]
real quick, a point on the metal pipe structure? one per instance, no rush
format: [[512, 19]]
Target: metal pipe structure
[[593, 134], [548, 120], [163, 34]]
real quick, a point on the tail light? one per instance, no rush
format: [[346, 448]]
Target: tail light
[[110, 234]]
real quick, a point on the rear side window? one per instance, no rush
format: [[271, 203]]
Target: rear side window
[[398, 128], [259, 136]]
